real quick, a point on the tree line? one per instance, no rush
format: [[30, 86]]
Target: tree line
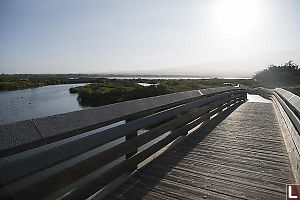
[[287, 74]]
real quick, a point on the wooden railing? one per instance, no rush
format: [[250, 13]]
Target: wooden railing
[[67, 156], [288, 105], [291, 105], [264, 92]]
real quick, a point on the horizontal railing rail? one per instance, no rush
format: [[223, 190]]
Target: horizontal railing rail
[[75, 164], [291, 105]]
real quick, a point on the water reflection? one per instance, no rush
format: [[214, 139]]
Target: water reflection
[[37, 102]]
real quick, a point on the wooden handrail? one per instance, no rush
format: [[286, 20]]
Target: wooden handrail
[[291, 104], [50, 154], [68, 160], [288, 109], [28, 134]]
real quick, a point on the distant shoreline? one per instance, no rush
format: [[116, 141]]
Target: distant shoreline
[[170, 77], [109, 75], [11, 82]]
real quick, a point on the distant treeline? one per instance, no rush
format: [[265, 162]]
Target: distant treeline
[[117, 90], [24, 81], [9, 82], [286, 76], [279, 75]]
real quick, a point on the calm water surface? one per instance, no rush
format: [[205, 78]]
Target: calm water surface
[[37, 102]]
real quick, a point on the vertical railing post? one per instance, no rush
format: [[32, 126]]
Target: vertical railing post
[[220, 108], [245, 95], [129, 155], [205, 121], [185, 131]]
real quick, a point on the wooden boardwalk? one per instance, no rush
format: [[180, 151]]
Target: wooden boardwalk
[[238, 155]]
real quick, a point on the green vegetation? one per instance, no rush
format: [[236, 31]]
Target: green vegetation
[[102, 91], [108, 91], [286, 76], [9, 82]]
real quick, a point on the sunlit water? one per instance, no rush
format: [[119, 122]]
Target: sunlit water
[[37, 102], [147, 84]]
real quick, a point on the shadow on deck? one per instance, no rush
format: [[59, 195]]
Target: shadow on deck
[[240, 154]]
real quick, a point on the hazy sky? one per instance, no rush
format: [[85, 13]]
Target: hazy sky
[[233, 37]]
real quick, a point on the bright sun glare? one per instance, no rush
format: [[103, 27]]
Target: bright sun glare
[[236, 18]]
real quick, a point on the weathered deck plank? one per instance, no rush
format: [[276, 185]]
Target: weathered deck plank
[[240, 157]]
